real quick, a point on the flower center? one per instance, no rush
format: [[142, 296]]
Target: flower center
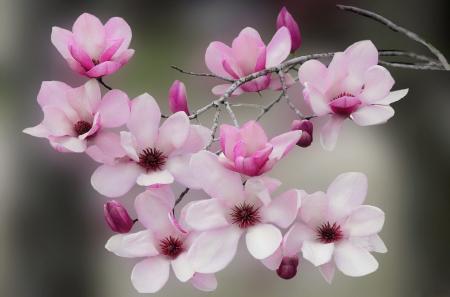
[[82, 127], [171, 247], [245, 215], [152, 159], [345, 104], [328, 233]]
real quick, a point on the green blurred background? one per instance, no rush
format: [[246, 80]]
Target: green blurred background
[[52, 231]]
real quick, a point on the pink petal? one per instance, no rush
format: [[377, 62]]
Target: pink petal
[[111, 50], [140, 244], [69, 144], [317, 100], [61, 39], [174, 132], [144, 120], [314, 73], [182, 268], [125, 56], [105, 147], [263, 240], [294, 238], [198, 139], [117, 29], [114, 109], [254, 136], [393, 97], [153, 208], [314, 209], [372, 243], [216, 53], [56, 122], [282, 144], [273, 262], [365, 220], [275, 83], [317, 253], [216, 180], [378, 83], [246, 49], [162, 177], [361, 56], [206, 215], [115, 180], [53, 93], [129, 144], [213, 250], [252, 165], [330, 132], [179, 167], [104, 68], [283, 210], [345, 193], [37, 131], [286, 19], [89, 34], [81, 56], [204, 282], [150, 275], [372, 115], [85, 99], [278, 48], [327, 270], [353, 260], [229, 136]]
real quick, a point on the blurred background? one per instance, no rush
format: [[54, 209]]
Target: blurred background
[[52, 232]]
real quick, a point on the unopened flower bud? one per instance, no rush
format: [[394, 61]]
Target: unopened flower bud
[[306, 127], [288, 267], [117, 217], [285, 19], [178, 97]]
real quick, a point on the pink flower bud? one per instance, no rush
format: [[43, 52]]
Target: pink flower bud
[[288, 267], [178, 97], [306, 127], [285, 19], [117, 217]]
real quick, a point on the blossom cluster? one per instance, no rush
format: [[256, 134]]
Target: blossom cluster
[[135, 148]]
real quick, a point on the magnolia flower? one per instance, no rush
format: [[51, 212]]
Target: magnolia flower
[[93, 49], [178, 97], [353, 86], [249, 54], [74, 119], [333, 230], [233, 211], [163, 244], [154, 155], [248, 151], [286, 19]]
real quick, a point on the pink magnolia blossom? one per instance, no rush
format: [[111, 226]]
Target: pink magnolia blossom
[[154, 154], [334, 230], [353, 86], [233, 211], [178, 97], [286, 19], [75, 118], [93, 49], [163, 244], [249, 54], [248, 151]]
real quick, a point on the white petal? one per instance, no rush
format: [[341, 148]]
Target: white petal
[[365, 220], [204, 282], [372, 115], [273, 261], [140, 244], [205, 214], [213, 250], [327, 270], [263, 240], [150, 275], [162, 177], [353, 260], [330, 132], [294, 238], [393, 97], [182, 268], [317, 253], [283, 210]]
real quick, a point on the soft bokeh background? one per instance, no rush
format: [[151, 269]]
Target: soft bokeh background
[[52, 231]]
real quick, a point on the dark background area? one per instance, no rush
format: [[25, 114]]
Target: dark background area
[[52, 231]]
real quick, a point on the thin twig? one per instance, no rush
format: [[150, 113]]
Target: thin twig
[[268, 107], [214, 127], [411, 66], [100, 80], [391, 25], [286, 96], [181, 197], [202, 74], [231, 113]]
